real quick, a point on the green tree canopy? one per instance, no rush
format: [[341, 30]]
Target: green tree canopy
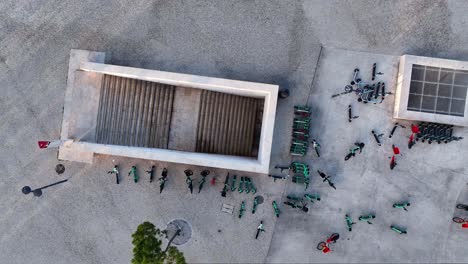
[[147, 247]]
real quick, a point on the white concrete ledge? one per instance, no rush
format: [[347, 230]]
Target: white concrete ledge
[[175, 156], [81, 60], [249, 89]]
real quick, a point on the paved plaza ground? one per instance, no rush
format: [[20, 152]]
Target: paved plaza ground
[[90, 219]]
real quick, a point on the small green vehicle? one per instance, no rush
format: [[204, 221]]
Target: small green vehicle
[[275, 207], [349, 223], [115, 171], [255, 204], [203, 179], [242, 209], [312, 197], [398, 230], [367, 218], [133, 171], [402, 205], [233, 183]]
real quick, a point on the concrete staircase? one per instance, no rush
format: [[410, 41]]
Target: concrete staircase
[[134, 113], [147, 114], [228, 124]]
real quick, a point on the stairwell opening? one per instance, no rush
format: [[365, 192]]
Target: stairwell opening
[[165, 116], [154, 115]]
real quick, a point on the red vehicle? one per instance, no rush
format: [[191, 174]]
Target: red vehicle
[[324, 246], [459, 220]]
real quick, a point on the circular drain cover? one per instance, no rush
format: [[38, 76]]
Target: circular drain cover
[[185, 231], [259, 199], [60, 168]]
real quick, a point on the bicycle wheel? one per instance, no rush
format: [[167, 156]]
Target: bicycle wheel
[[333, 238], [462, 206], [321, 245], [458, 220], [348, 156], [348, 88]]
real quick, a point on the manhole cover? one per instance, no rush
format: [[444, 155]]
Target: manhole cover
[[185, 231], [60, 168], [259, 199]]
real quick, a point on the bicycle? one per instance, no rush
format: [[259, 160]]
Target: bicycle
[[115, 171], [326, 179], [312, 197], [435, 132], [463, 222], [316, 147], [303, 207], [462, 206], [361, 87], [162, 180], [151, 172], [350, 87], [242, 209], [303, 111], [459, 220], [133, 171], [294, 198], [226, 186], [402, 205], [300, 136], [299, 167], [255, 203], [350, 114], [411, 141], [247, 184], [299, 179], [349, 223], [250, 186], [352, 152], [188, 179], [240, 189], [203, 179], [324, 246], [259, 229], [393, 163], [366, 218], [377, 137]]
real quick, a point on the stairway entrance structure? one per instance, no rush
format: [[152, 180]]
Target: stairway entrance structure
[[432, 90], [164, 116]]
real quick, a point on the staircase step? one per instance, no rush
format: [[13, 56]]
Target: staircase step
[[134, 112], [226, 124]]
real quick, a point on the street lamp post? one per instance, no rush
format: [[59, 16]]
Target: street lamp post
[[178, 232], [38, 192]]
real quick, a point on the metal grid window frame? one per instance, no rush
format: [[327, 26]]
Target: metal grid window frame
[[416, 80]]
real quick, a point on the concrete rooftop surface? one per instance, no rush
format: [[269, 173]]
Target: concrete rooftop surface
[[309, 47]]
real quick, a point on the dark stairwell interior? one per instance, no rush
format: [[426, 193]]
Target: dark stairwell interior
[[154, 115]]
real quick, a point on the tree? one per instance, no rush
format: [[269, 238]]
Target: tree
[[147, 247]]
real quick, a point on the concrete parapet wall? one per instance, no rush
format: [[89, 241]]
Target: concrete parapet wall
[[93, 63]]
